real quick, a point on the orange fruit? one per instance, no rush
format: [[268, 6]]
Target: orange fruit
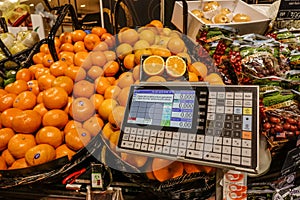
[[101, 85], [98, 31], [3, 165], [55, 98], [111, 68], [44, 48], [191, 168], [33, 86], [98, 58], [9, 159], [125, 80], [82, 109], [175, 66], [109, 39], [25, 100], [128, 61], [8, 115], [112, 80], [135, 160], [93, 125], [77, 138], [83, 88], [67, 107], [136, 73], [55, 117], [163, 52], [65, 37], [39, 154], [7, 101], [198, 68], [102, 46], [19, 144], [112, 92], [24, 74], [193, 77], [95, 71], [64, 150], [80, 57], [19, 164], [123, 96], [41, 71], [28, 121], [45, 81], [16, 87], [64, 82], [176, 45], [72, 124], [116, 116], [153, 65], [5, 135], [91, 41], [79, 46], [106, 108], [58, 68], [165, 169], [110, 55], [47, 60], [41, 109], [39, 98], [156, 79], [67, 47], [49, 135], [113, 139], [208, 169], [2, 92], [57, 42], [78, 35], [107, 130], [34, 68], [38, 58], [96, 100], [75, 73], [186, 56], [67, 57], [214, 79], [157, 23]]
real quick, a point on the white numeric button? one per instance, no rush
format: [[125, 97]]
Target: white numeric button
[[200, 138], [133, 130], [246, 152], [166, 150], [246, 143], [159, 141], [153, 133], [182, 144], [176, 135], [248, 95], [144, 147], [246, 161], [209, 139], [168, 134], [173, 151], [236, 160], [226, 158], [208, 147], [226, 141], [151, 147], [140, 131], [236, 142], [236, 151], [158, 149], [152, 140], [226, 150], [183, 136], [181, 152], [138, 138], [200, 146], [137, 145], [127, 130], [217, 140]]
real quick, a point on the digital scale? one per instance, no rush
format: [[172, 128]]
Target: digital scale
[[193, 122]]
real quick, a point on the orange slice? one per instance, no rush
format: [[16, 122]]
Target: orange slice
[[153, 65], [175, 66]]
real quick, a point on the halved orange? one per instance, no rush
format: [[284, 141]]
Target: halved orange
[[175, 66], [153, 65]]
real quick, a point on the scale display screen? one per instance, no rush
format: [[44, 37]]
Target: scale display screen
[[164, 108]]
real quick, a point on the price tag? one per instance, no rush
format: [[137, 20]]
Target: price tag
[[289, 10]]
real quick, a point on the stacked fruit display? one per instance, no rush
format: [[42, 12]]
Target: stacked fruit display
[[54, 108]]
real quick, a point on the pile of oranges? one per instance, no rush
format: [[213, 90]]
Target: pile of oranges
[[54, 108]]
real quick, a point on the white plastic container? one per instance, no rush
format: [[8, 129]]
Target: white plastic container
[[258, 24]]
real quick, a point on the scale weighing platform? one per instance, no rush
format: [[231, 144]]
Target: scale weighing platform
[[193, 122]]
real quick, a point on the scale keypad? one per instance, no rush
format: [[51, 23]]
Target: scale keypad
[[226, 131]]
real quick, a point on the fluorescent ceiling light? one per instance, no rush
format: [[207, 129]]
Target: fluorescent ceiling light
[[31, 4], [82, 5]]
